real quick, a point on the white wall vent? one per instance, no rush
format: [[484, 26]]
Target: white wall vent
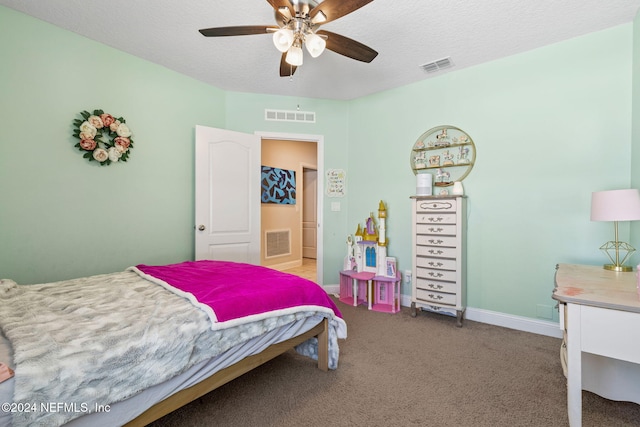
[[290, 116], [277, 243], [440, 64]]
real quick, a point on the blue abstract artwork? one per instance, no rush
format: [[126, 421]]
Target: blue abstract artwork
[[278, 186]]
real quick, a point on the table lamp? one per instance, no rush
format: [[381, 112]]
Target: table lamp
[[616, 205]]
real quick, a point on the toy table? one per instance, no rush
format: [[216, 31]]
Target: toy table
[[379, 293], [385, 294], [354, 287]]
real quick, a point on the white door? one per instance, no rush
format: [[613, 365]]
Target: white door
[[227, 195], [309, 212]]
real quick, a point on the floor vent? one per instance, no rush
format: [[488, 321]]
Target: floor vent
[[440, 64], [290, 116], [277, 243]]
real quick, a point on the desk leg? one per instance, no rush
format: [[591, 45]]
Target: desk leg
[[574, 366]]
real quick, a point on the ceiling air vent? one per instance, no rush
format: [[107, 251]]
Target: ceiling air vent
[[290, 116], [440, 64]]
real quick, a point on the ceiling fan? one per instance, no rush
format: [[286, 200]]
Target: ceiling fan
[[297, 24]]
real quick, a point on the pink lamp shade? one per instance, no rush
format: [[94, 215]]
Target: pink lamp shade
[[615, 205]]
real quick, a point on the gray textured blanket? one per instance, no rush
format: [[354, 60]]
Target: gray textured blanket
[[98, 340]]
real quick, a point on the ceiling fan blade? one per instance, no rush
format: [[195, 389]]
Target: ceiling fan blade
[[244, 30], [334, 9], [348, 47], [277, 4], [286, 69]]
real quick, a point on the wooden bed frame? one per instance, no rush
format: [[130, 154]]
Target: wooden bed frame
[[181, 398]]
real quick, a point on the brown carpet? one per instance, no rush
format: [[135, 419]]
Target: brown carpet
[[403, 371]]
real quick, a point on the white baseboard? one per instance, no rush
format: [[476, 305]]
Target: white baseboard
[[332, 289], [286, 265], [526, 324]]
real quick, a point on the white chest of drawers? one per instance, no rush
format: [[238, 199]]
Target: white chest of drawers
[[439, 255]]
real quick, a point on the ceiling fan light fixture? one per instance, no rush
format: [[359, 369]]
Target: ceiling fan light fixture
[[315, 44], [294, 55], [283, 39], [298, 23]]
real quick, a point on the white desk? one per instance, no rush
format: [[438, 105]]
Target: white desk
[[600, 314]]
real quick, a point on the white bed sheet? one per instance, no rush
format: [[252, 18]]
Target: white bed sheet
[[124, 411]]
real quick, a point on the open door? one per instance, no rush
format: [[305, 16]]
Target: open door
[[227, 195]]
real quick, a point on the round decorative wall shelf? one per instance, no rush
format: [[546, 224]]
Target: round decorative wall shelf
[[446, 152]]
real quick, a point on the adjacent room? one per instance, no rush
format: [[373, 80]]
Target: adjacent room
[[317, 139]]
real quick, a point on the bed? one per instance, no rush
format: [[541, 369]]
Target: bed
[[129, 347]]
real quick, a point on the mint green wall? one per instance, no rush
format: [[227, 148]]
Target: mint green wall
[[61, 216], [550, 126], [635, 128]]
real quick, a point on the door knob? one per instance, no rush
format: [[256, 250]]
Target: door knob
[[201, 228]]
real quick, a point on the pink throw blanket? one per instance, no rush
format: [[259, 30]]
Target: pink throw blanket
[[235, 290]]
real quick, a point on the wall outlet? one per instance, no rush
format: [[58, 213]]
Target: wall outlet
[[407, 276]]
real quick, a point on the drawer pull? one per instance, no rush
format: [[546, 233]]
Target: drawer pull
[[433, 274], [436, 242], [436, 230], [434, 252], [436, 287], [435, 264], [438, 297], [438, 219]]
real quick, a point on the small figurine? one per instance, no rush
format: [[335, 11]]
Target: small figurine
[[442, 140], [442, 177], [418, 160], [434, 161], [463, 152], [448, 158]]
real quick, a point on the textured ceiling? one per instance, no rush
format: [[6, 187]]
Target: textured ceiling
[[406, 34]]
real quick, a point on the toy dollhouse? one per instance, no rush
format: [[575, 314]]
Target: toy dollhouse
[[371, 244], [369, 276]]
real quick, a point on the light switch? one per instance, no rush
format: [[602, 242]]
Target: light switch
[[335, 206]]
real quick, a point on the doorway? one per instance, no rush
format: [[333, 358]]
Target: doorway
[[318, 168], [309, 213]]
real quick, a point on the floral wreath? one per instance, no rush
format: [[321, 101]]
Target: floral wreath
[[90, 130]]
